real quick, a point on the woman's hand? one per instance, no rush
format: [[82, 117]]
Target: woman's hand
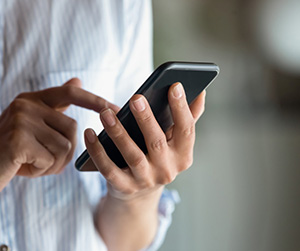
[[36, 137], [168, 154], [127, 217]]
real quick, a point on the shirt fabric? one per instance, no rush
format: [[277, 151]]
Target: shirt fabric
[[44, 43]]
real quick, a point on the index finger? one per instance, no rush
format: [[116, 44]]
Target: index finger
[[63, 96]]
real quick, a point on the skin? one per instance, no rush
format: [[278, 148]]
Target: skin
[[38, 139], [127, 218]]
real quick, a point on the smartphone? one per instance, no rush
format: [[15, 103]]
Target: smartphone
[[194, 76]]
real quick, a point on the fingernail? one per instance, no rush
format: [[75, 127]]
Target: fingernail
[[139, 104], [178, 91], [108, 117], [90, 135]]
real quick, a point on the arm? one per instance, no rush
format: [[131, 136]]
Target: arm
[[128, 224], [127, 218], [36, 137]]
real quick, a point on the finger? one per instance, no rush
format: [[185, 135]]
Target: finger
[[61, 123], [63, 96], [74, 82], [155, 138], [65, 130], [38, 159], [113, 174], [184, 125], [60, 147], [131, 153], [169, 134], [197, 107]]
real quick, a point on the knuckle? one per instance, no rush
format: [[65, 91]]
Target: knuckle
[[188, 162], [148, 183], [102, 103], [168, 177], [70, 154], [109, 174], [118, 134], [65, 146], [180, 104], [72, 125], [159, 144], [18, 124], [69, 90], [97, 155], [68, 146], [17, 138], [145, 117], [76, 80], [137, 161], [22, 95], [19, 105], [189, 132], [14, 156], [50, 161]]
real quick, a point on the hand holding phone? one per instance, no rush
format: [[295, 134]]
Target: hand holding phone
[[195, 77]]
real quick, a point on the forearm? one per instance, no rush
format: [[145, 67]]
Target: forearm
[[128, 225]]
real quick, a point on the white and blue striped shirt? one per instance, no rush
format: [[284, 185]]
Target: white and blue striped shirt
[[43, 43]]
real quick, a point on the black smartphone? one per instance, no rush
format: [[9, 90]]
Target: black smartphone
[[194, 76]]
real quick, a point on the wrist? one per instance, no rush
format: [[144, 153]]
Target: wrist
[[139, 213], [147, 197]]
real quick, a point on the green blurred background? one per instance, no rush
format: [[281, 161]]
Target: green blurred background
[[243, 191]]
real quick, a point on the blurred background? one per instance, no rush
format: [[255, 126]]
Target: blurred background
[[243, 191]]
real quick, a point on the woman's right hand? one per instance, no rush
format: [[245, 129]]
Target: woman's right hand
[[36, 137]]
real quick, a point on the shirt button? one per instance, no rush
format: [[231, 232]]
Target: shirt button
[[4, 248]]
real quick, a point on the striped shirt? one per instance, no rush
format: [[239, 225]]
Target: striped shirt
[[43, 43]]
